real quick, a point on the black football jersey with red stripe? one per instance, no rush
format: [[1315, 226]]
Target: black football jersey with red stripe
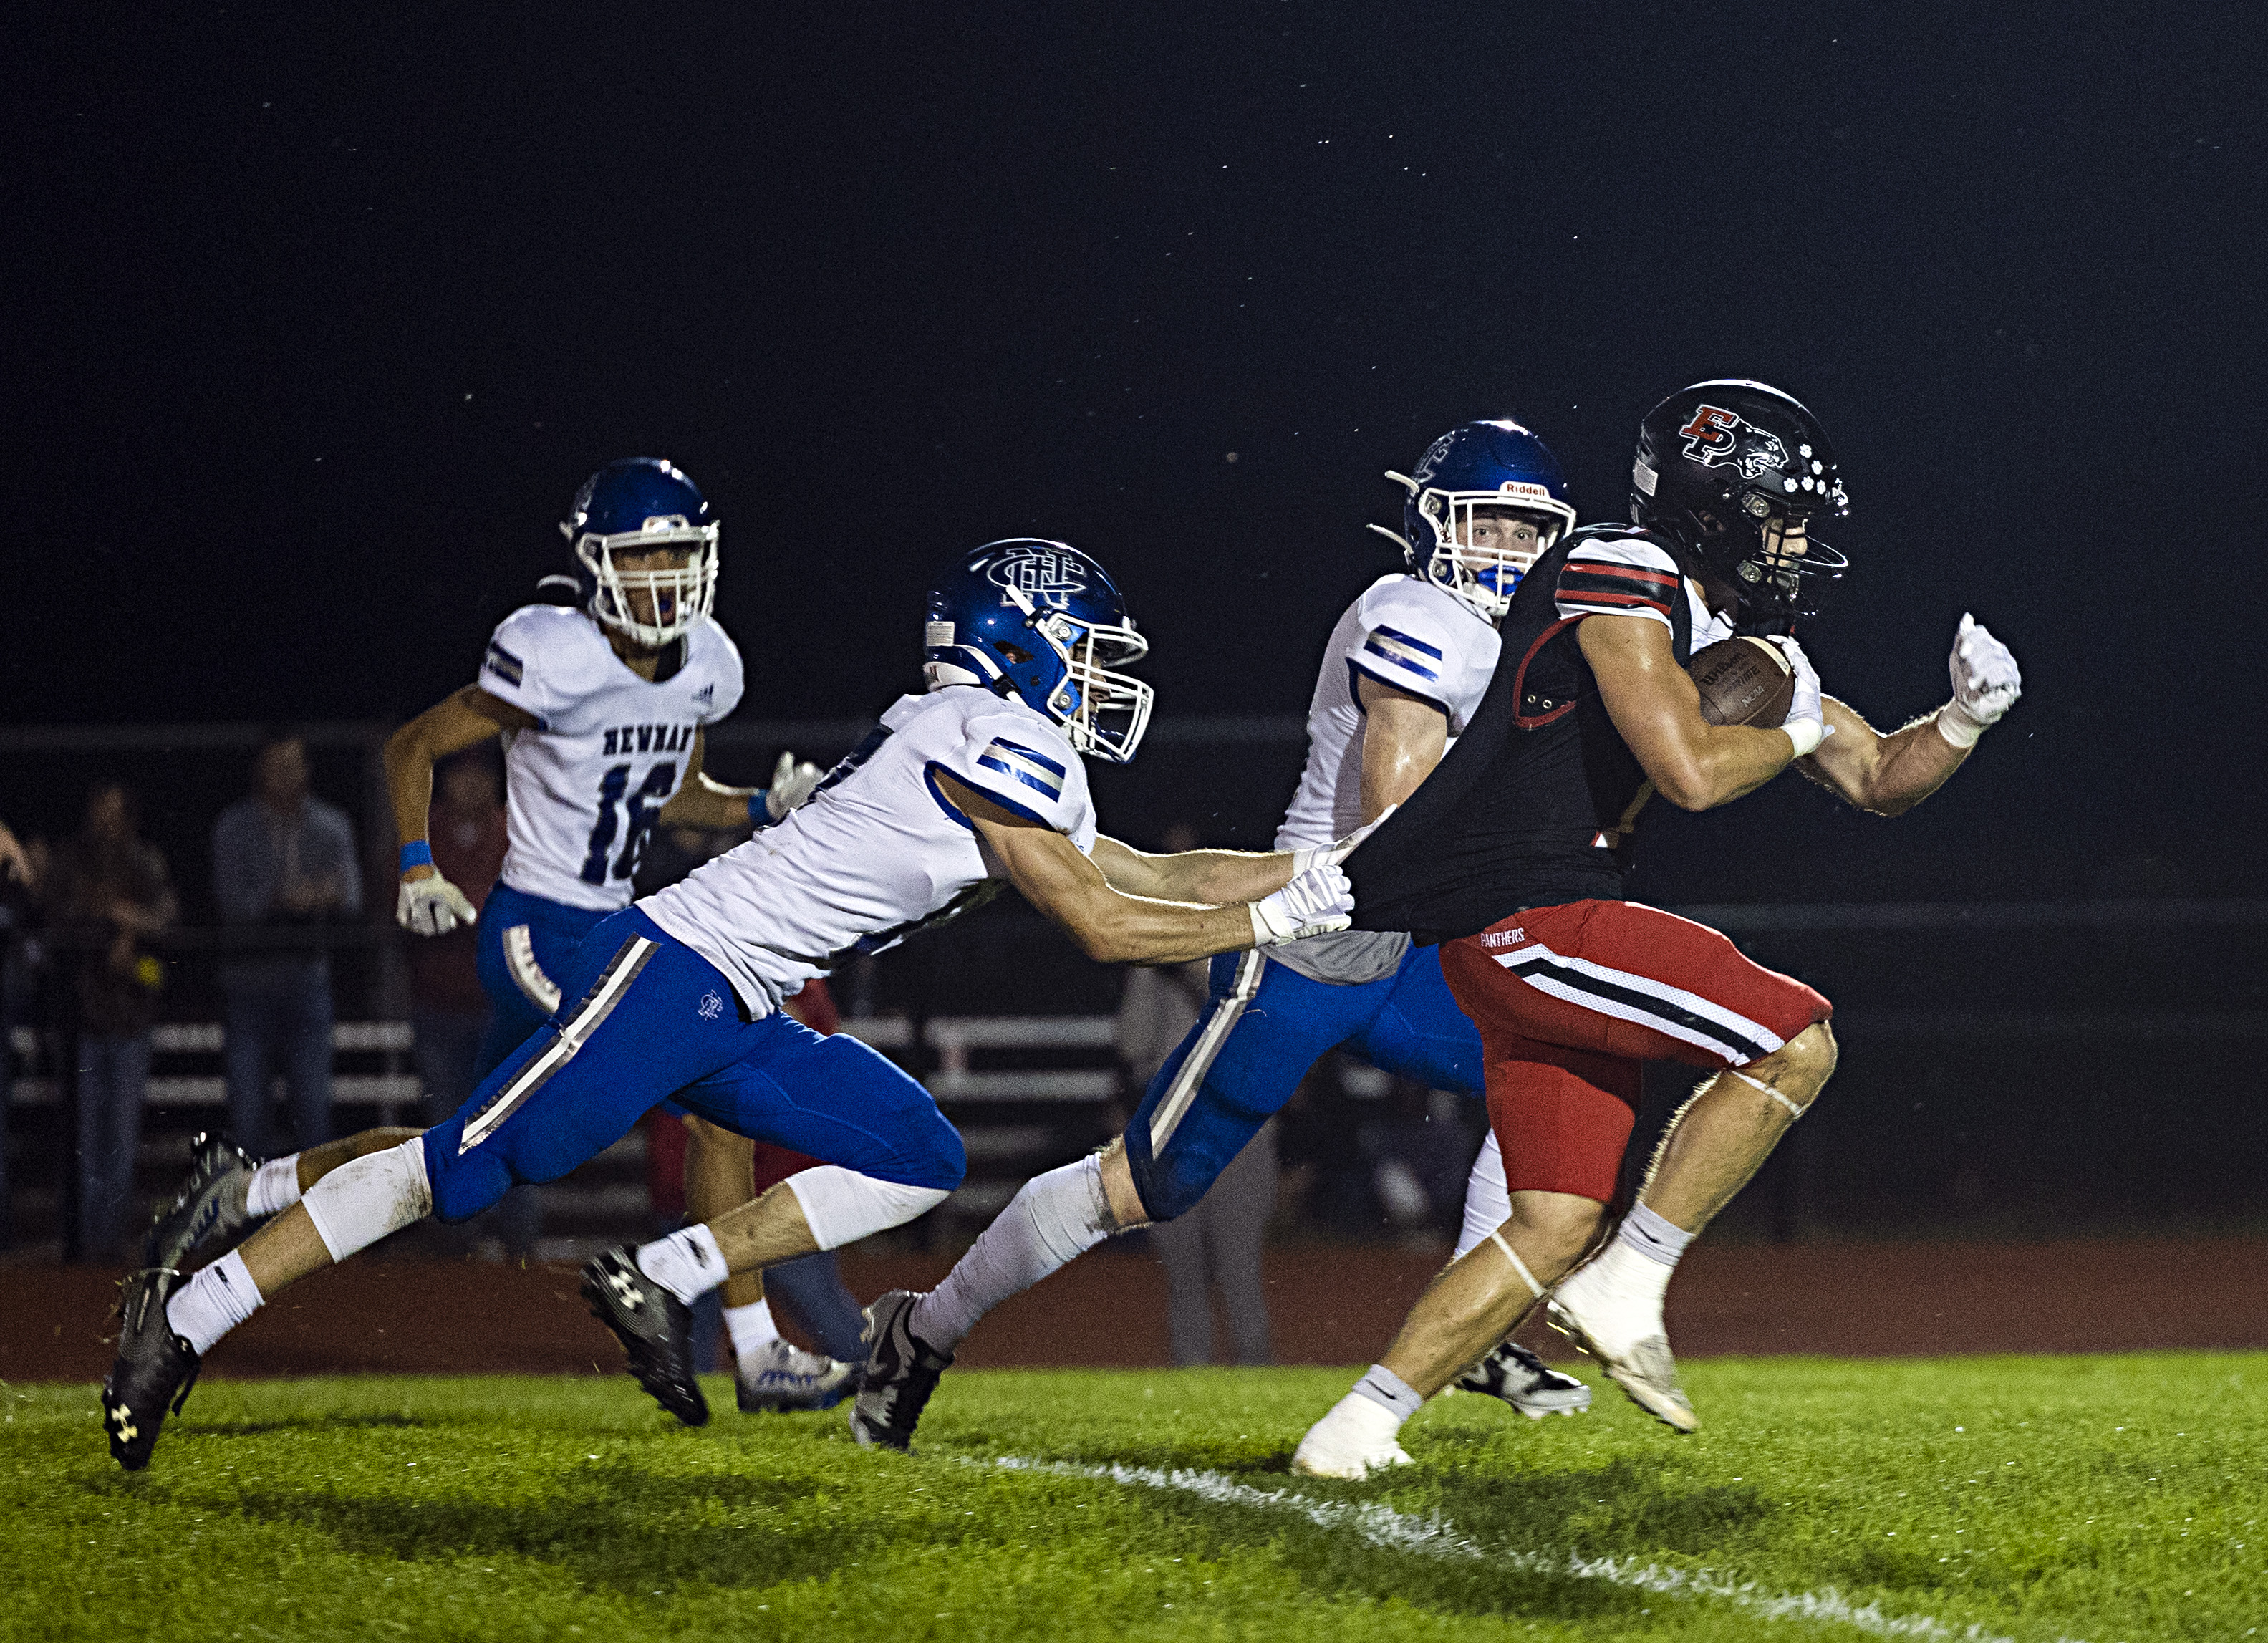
[[1535, 804]]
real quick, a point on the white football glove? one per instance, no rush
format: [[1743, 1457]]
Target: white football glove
[[1315, 902], [792, 783], [432, 907], [1806, 723], [1331, 855], [1986, 682]]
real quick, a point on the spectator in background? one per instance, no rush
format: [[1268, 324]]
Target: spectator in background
[[106, 894], [1219, 1241], [282, 858]]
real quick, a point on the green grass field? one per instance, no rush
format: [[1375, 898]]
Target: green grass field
[[2037, 1498]]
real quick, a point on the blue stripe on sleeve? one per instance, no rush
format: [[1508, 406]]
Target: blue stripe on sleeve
[[1383, 654], [1415, 645], [1040, 759], [1037, 784]]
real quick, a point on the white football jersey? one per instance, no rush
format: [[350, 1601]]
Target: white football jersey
[[581, 789], [877, 853], [1403, 631]]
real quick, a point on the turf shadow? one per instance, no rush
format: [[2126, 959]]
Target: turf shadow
[[1625, 1508], [615, 1528]]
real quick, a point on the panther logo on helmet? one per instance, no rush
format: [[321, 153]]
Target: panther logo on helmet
[[1046, 575], [1715, 435]]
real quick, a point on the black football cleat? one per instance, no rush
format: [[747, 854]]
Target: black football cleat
[[654, 1326], [1527, 1383], [208, 1209], [901, 1374], [153, 1372]]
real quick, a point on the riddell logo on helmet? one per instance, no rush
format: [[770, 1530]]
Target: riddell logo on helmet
[[1524, 490], [1714, 435], [1041, 573]]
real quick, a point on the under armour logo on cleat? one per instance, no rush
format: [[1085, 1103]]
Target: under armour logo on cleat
[[124, 1419], [626, 1292], [711, 1006]]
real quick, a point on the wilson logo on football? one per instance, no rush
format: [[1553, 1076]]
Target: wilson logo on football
[[1046, 577], [1716, 435]]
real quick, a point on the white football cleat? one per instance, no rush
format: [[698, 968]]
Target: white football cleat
[[779, 1376], [1354, 1439], [1620, 1323]]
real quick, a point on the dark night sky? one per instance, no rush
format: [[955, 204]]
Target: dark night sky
[[316, 319]]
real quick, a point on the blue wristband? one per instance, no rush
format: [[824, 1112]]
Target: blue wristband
[[416, 853], [759, 812]]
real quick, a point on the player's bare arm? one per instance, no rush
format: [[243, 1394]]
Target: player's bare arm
[[1211, 877], [1404, 737], [1892, 774], [428, 904], [464, 720], [1657, 710], [705, 802], [1109, 925], [1884, 774]]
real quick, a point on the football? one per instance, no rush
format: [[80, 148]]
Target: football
[[1743, 682]]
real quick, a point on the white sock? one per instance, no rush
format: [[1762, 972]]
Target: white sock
[[1363, 1420], [1652, 1237], [213, 1302], [1055, 1218], [1390, 1392], [687, 1263], [1632, 1272], [751, 1328], [275, 1186]]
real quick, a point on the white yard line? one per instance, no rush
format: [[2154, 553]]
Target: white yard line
[[1389, 1530]]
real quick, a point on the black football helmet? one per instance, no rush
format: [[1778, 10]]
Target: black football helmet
[[1720, 466]]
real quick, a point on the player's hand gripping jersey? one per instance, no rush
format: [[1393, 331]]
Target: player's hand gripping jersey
[[582, 792], [1403, 631], [1536, 804], [879, 853]]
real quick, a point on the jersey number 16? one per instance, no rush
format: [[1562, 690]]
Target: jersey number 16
[[660, 781]]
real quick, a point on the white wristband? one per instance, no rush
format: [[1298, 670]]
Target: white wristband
[[1957, 728], [1806, 734]]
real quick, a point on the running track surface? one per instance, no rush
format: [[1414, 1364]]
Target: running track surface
[[1328, 1305]]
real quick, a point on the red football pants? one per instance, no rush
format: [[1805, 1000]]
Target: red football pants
[[1570, 1000]]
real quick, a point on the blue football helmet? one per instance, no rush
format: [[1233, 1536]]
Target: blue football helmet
[[637, 505], [1042, 621], [1479, 464]]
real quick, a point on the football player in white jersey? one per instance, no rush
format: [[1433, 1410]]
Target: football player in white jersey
[[603, 709], [958, 793], [1404, 669]]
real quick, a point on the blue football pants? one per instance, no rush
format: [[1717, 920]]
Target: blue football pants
[[644, 1018], [1264, 1025], [553, 931]]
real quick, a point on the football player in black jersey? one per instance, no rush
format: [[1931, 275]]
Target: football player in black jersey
[[1513, 856]]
